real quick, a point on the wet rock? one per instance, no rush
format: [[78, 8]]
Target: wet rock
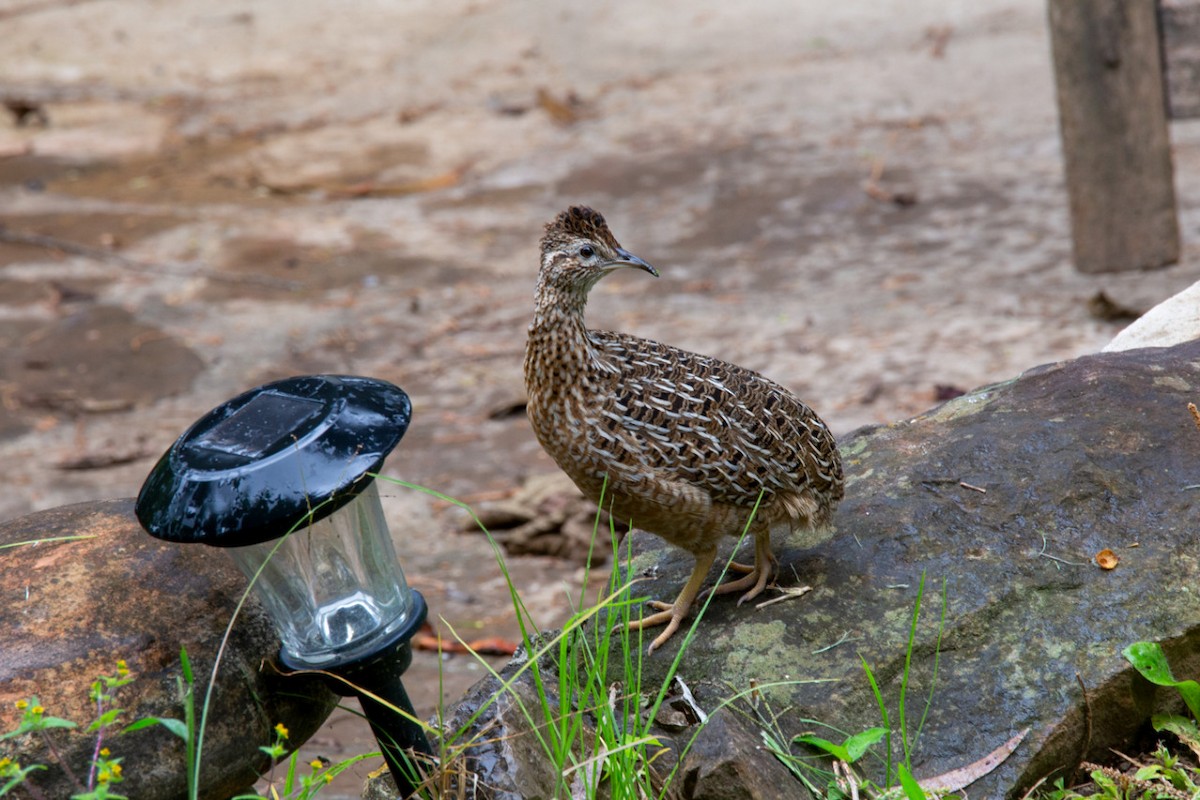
[[727, 760], [511, 763], [1000, 499], [724, 757], [1003, 497], [506, 761], [74, 607]]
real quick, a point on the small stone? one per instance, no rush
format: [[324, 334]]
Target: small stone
[[1173, 321]]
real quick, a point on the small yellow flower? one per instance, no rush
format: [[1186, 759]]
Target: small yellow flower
[[281, 730], [316, 763], [328, 778], [105, 752], [116, 770], [103, 776], [38, 710], [4, 762], [122, 668], [22, 705]]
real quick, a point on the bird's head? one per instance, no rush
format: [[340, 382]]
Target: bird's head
[[578, 249]]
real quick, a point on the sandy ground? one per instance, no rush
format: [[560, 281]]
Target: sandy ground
[[251, 191]]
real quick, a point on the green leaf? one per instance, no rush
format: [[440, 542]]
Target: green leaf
[[912, 789], [836, 750], [1104, 782], [858, 744], [1184, 729], [57, 722], [20, 778], [106, 719], [1150, 773], [1173, 723], [1149, 659], [175, 726]]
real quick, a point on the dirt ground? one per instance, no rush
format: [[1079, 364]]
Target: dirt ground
[[862, 200]]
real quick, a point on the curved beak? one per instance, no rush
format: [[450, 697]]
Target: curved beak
[[627, 259]]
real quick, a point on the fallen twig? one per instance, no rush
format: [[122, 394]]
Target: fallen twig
[[788, 594], [1044, 554], [957, 779], [846, 779]]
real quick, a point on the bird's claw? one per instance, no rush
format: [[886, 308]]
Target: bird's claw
[[672, 626], [667, 615]]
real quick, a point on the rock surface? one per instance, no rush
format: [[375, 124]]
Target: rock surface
[[73, 608], [723, 759], [1001, 499]]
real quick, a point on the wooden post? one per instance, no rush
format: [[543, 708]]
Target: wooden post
[[1181, 46], [1116, 148]]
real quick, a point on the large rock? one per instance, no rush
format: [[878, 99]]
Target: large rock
[[1003, 496], [73, 608], [1072, 459]]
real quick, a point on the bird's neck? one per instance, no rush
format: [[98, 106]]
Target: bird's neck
[[558, 351]]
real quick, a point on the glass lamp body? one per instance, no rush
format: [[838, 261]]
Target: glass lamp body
[[335, 589]]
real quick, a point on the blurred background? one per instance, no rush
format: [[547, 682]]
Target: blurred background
[[862, 200]]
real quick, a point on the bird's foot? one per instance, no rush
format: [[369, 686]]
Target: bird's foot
[[748, 570], [754, 581], [667, 615]]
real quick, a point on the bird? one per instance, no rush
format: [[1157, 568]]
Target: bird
[[685, 446]]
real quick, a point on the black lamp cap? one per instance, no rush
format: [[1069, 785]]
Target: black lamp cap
[[252, 468]]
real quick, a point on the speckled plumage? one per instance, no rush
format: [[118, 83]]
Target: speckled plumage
[[681, 445]]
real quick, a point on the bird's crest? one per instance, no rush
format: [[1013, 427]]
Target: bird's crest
[[578, 222]]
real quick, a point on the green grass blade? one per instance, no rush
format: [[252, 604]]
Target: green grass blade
[[186, 664], [908, 651], [937, 658], [883, 714]]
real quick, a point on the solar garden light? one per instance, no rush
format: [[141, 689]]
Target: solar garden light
[[292, 460]]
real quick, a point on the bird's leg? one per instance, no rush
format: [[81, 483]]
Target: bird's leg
[[672, 614], [744, 569], [757, 576]]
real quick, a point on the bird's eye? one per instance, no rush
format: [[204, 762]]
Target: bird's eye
[[587, 251]]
